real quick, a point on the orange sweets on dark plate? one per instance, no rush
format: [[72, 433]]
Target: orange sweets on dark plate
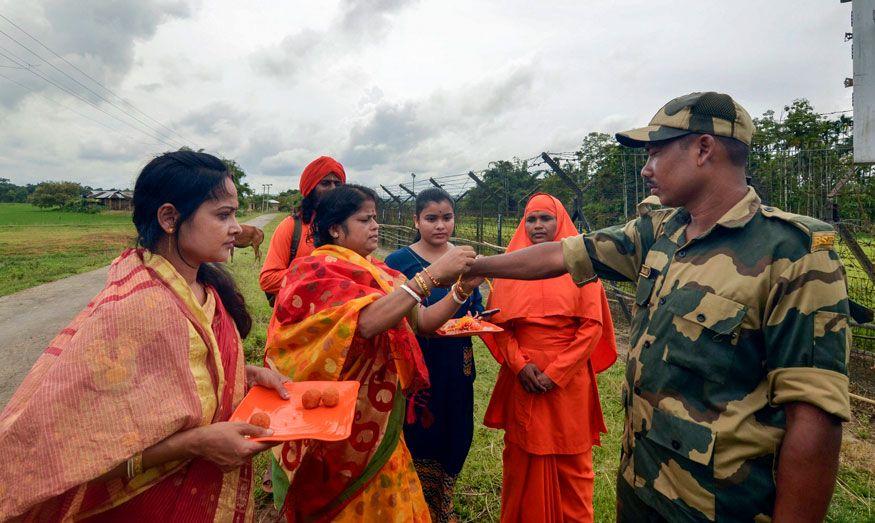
[[311, 398], [330, 397], [260, 419]]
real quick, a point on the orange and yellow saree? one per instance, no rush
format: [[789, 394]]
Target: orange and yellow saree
[[312, 336], [142, 362]]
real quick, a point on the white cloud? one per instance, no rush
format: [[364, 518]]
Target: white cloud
[[390, 87]]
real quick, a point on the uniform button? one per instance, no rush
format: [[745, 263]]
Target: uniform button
[[682, 253], [646, 344], [700, 317], [675, 444], [662, 301]]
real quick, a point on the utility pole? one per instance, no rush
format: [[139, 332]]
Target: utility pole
[[268, 191], [413, 175]]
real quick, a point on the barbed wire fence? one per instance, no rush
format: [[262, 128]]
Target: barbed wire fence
[[603, 189]]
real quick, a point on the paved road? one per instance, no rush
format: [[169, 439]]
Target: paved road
[[29, 319]]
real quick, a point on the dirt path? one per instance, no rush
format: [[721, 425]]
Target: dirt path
[[29, 319]]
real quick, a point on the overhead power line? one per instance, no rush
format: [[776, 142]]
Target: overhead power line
[[95, 81], [92, 91], [76, 95], [71, 109]]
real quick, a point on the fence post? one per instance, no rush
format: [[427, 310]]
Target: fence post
[[578, 192], [498, 240]]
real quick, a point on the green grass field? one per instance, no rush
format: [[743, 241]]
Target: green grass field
[[478, 491], [39, 246], [42, 245]]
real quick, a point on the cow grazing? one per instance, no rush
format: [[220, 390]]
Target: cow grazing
[[250, 235]]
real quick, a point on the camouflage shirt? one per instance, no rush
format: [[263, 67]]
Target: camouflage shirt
[[727, 328]]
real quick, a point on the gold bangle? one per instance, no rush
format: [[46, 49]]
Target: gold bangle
[[434, 282], [426, 290], [419, 290]]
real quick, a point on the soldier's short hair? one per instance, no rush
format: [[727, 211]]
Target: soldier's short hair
[[737, 150]]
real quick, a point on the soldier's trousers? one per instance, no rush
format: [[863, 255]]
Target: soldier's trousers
[[630, 508]]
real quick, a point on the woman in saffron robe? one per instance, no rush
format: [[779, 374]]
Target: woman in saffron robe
[[124, 416], [343, 315], [557, 337]]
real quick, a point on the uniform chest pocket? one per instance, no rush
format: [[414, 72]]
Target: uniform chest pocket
[[703, 332]]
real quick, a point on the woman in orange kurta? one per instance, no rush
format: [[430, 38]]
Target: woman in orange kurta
[[319, 177], [557, 337]]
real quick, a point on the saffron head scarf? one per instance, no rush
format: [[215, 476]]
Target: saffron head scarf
[[318, 169], [520, 299]]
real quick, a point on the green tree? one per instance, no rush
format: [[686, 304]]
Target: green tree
[[237, 174], [289, 199], [11, 193], [57, 194]]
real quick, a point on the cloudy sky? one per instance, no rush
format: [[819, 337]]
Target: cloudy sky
[[388, 87]]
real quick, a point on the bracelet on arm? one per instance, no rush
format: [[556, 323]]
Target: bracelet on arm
[[457, 295], [462, 290], [134, 466], [411, 292], [426, 290], [434, 282]]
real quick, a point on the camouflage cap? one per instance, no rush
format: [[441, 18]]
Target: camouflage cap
[[707, 113]]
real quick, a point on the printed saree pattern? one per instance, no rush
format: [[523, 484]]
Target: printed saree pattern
[[117, 380], [312, 336]]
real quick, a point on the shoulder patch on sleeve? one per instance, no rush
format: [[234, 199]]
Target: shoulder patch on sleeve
[[821, 234], [822, 241]]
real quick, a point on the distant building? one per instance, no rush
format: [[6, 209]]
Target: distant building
[[273, 205], [113, 200]]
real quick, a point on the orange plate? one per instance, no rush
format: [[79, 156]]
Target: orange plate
[[485, 326], [290, 420]]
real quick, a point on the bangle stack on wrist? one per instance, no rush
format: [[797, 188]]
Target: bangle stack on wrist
[[423, 286]]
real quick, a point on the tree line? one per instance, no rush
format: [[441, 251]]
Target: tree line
[[798, 157]]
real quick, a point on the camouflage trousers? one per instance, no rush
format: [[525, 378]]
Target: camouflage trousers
[[630, 508]]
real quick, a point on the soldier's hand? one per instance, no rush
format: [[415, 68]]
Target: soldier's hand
[[528, 377]]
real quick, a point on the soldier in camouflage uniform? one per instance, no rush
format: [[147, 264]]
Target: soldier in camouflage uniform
[[736, 379]]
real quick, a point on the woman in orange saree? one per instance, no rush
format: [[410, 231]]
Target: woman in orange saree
[[557, 337], [344, 315], [124, 416]]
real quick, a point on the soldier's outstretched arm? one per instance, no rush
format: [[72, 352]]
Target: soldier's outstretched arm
[[537, 262], [809, 461]]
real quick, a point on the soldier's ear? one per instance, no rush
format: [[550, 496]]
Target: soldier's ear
[[705, 146]]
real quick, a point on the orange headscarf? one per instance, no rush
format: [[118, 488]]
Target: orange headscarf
[[555, 296], [318, 169]]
